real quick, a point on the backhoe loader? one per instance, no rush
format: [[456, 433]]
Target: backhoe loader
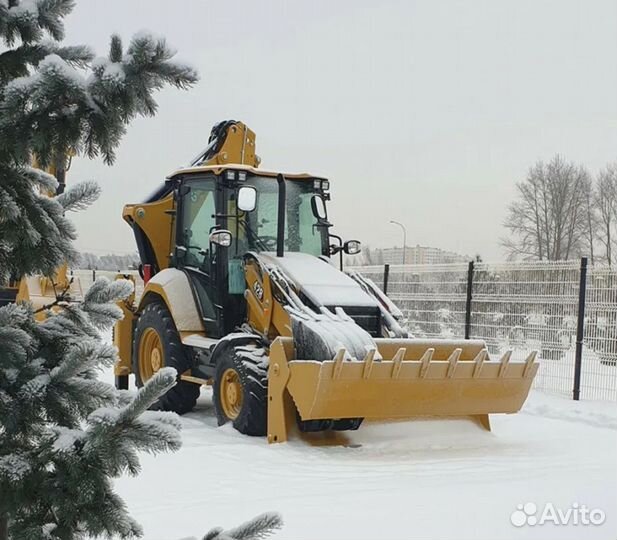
[[42, 291], [244, 291]]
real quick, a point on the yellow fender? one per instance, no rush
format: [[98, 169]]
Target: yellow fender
[[172, 287]]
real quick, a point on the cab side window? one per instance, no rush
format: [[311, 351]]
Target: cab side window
[[198, 218]]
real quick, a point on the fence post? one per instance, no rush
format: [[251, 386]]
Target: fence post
[[93, 275], [468, 301], [580, 330], [386, 275]]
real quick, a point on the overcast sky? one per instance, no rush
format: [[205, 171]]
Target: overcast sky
[[426, 112]]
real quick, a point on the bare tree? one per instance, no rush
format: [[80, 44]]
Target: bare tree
[[606, 203], [548, 220]]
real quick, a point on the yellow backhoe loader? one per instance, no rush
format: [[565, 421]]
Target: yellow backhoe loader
[[244, 291], [39, 290]]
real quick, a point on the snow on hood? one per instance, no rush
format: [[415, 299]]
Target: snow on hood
[[319, 281]]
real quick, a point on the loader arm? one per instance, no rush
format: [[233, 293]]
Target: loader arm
[[229, 142]]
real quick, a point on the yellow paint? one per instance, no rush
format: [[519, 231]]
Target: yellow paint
[[196, 380], [265, 314], [231, 393], [156, 220], [150, 354], [123, 332], [434, 384], [238, 147]]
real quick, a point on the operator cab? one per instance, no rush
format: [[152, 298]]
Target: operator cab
[[225, 213]]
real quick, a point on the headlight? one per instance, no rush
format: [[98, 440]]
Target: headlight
[[321, 185]]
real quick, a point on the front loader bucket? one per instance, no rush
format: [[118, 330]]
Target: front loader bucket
[[415, 378]]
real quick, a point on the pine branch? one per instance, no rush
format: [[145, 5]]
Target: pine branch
[[17, 62], [60, 298], [103, 291], [41, 178], [29, 20], [81, 358], [80, 196], [88, 114], [159, 384], [64, 434], [259, 527], [115, 49]]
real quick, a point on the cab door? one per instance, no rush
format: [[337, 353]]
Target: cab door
[[198, 200]]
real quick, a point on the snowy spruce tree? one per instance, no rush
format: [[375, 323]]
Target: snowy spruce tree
[[64, 435]]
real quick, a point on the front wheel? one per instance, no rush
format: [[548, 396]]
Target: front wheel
[[156, 344], [240, 390]]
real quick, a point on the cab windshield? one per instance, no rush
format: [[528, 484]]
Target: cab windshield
[[256, 230]]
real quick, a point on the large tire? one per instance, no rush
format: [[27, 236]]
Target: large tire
[[155, 329], [240, 389]]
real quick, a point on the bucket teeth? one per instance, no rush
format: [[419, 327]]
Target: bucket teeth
[[397, 362], [505, 360], [425, 361], [368, 363], [479, 362], [338, 362], [400, 355], [453, 361], [529, 362]]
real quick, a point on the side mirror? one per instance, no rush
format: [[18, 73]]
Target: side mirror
[[318, 206], [247, 198], [221, 237], [352, 247]]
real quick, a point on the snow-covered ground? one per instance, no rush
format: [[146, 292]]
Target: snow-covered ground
[[443, 479]]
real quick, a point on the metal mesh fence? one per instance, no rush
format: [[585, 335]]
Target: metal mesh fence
[[518, 307], [431, 297], [600, 348], [515, 306], [530, 306]]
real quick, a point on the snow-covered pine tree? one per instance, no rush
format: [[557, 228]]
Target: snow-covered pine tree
[[63, 434]]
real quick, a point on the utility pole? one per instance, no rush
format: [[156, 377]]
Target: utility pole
[[404, 237]]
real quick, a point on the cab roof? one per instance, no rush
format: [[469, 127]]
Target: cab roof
[[218, 169]]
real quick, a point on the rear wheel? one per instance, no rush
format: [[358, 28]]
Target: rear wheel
[[240, 390], [156, 344]]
